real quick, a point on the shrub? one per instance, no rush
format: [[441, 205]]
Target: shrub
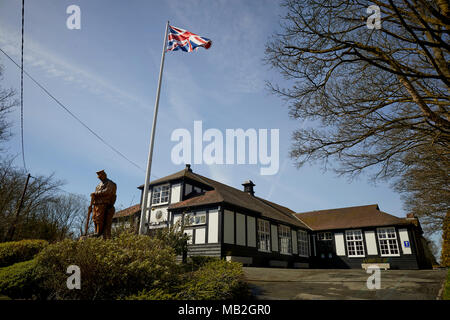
[[18, 251], [175, 237], [110, 269], [216, 280], [446, 293], [123, 228], [196, 262], [156, 294], [20, 281]]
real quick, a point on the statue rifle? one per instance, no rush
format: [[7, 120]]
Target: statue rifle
[[88, 216]]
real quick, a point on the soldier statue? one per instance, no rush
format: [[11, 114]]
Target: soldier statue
[[102, 201]]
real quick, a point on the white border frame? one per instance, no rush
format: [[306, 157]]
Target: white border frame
[[396, 241], [153, 192], [269, 250], [346, 244]]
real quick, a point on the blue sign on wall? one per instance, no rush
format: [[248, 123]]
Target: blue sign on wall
[[406, 244]]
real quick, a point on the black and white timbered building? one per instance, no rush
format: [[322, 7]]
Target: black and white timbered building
[[237, 225]]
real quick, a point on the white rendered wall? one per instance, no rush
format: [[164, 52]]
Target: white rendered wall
[[340, 245], [240, 229], [251, 231], [213, 226], [371, 242], [294, 242], [176, 193], [404, 237], [200, 234], [228, 227], [274, 236]]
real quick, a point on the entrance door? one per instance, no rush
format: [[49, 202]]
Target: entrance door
[[325, 250]]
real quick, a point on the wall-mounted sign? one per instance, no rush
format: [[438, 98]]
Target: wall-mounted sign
[[406, 243]]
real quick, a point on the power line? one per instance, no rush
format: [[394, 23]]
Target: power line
[[21, 86], [69, 112]]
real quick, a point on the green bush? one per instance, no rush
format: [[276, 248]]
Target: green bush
[[174, 236], [216, 280], [196, 262], [446, 293], [110, 269], [18, 251], [20, 281], [156, 294]]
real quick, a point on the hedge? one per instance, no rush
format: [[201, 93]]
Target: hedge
[[110, 269], [216, 280], [19, 281], [18, 251], [446, 293]]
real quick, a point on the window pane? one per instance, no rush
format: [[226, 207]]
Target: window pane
[[387, 240], [263, 235], [355, 244]]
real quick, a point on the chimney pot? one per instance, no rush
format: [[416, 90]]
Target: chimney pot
[[248, 187]]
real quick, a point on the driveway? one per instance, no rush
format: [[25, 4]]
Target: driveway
[[330, 284]]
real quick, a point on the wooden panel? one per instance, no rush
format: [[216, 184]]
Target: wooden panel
[[240, 229], [213, 226], [294, 242], [187, 189], [176, 193], [340, 245], [200, 235], [204, 250], [274, 237], [228, 227], [404, 240], [251, 231], [371, 243]]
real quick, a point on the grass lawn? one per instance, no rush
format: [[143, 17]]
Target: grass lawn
[[446, 294]]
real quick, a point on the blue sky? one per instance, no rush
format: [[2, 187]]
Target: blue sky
[[107, 72]]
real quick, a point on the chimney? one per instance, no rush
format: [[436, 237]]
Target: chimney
[[412, 218], [188, 167], [248, 187]]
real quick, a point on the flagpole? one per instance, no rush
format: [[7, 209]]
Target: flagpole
[[152, 139]]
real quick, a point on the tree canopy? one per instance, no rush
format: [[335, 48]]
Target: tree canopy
[[376, 100], [47, 212]]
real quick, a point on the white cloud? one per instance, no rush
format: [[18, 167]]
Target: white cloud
[[55, 66]]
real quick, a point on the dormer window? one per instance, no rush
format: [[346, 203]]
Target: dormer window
[[161, 194]]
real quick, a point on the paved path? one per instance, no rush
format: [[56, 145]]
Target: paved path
[[330, 284]]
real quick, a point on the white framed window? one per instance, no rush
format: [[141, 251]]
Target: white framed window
[[355, 245], [263, 235], [387, 240], [323, 236], [191, 219], [303, 243], [284, 234], [161, 194]]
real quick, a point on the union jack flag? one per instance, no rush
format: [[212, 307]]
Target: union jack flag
[[185, 40]]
